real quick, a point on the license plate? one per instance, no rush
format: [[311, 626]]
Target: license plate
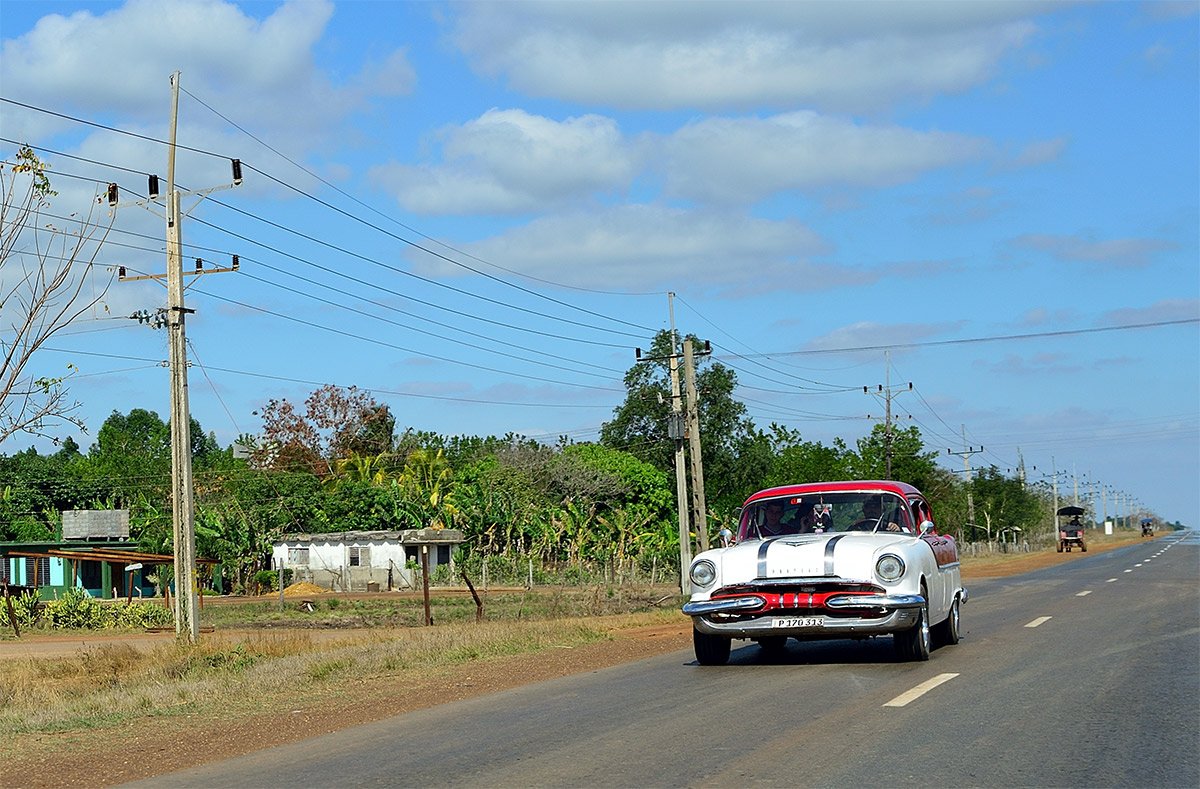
[[797, 621]]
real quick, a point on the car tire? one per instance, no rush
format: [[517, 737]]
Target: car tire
[[710, 650], [1060, 546], [947, 632], [1083, 547], [913, 644]]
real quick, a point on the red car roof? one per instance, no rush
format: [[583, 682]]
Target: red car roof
[[846, 486]]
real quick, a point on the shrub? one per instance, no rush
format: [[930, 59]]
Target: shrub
[[268, 580], [77, 609], [26, 608]]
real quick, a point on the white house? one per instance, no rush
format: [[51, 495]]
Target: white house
[[360, 561]]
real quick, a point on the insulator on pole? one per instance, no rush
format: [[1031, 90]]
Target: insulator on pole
[[199, 264], [152, 188], [235, 262], [237, 171], [112, 194]]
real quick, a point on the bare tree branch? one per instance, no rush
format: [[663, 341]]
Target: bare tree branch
[[43, 271]]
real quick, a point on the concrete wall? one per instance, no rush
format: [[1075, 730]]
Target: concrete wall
[[329, 564]]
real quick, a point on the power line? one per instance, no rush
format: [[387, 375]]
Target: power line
[[995, 338], [409, 228], [351, 216]]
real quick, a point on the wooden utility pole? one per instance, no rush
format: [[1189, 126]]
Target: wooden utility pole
[[966, 456], [685, 537], [699, 505], [183, 527], [886, 393]]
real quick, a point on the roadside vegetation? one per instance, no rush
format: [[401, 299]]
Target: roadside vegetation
[[259, 655]]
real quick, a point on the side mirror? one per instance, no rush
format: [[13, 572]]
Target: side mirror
[[926, 528]]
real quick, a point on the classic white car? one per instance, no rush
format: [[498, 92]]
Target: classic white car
[[829, 560]]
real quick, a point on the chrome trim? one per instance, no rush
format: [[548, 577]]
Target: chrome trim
[[829, 627], [889, 601], [962, 594], [801, 580], [726, 606]]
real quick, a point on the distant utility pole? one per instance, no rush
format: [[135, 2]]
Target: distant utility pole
[[182, 506], [885, 392], [966, 456]]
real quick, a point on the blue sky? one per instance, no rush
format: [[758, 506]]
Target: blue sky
[[476, 210]]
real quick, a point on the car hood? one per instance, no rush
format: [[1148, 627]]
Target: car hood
[[849, 555]]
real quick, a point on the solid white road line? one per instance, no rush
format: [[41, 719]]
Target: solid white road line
[[919, 690], [1041, 620]]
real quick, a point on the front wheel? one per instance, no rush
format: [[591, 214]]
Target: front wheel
[[1083, 547], [947, 632], [913, 644], [1060, 546], [710, 650]]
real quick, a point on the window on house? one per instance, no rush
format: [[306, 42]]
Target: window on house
[[297, 557], [37, 571], [412, 553], [360, 556], [443, 554]]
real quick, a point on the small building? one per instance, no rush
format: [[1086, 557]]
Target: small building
[[95, 555], [106, 569], [360, 561]]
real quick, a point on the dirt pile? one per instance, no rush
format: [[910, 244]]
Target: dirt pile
[[303, 589]]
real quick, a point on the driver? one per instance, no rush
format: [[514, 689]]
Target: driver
[[872, 514]]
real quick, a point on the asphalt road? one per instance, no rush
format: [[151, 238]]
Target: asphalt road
[[1081, 675]]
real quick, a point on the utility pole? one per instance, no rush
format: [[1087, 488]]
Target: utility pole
[[699, 505], [677, 432], [183, 527], [685, 535], [966, 456], [886, 393]]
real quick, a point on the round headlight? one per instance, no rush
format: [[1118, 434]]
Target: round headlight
[[889, 567], [703, 573]]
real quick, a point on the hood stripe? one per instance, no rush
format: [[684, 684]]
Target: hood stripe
[[829, 553], [762, 553]]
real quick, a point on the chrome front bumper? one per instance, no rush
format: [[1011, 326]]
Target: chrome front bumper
[[731, 617]]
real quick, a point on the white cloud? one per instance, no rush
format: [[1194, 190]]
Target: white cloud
[[1040, 152], [119, 63], [722, 159], [837, 55], [1165, 310], [868, 334], [644, 247], [509, 161], [1116, 253]]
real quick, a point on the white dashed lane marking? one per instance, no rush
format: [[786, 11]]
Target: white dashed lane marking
[[1041, 620], [1110, 580], [1084, 594], [920, 690]]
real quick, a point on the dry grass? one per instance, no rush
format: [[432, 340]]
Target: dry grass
[[106, 685]]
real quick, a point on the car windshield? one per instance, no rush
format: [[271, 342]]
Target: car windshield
[[822, 513]]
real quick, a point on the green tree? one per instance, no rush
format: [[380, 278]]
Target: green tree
[[798, 461], [728, 436], [910, 462]]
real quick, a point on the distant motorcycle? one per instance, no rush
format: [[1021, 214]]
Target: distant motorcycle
[[1147, 527]]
